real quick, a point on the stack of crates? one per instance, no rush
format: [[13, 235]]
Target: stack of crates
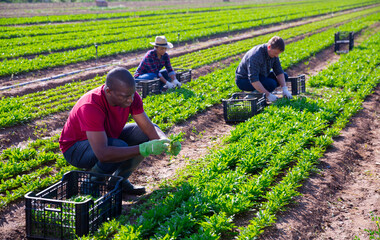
[[58, 212], [183, 75], [343, 38], [148, 87], [242, 106], [297, 84]]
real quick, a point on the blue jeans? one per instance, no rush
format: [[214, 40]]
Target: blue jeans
[[270, 83], [81, 154], [151, 76]]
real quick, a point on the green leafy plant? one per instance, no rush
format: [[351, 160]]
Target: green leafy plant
[[373, 234]]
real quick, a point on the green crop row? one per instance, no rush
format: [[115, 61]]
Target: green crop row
[[369, 77], [201, 93], [17, 110], [91, 17], [22, 171], [123, 32], [257, 170], [210, 55], [118, 43], [65, 30], [13, 183], [138, 14], [38, 183], [30, 34], [19, 36]]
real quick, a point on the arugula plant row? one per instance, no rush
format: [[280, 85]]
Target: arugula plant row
[[199, 58], [25, 178], [259, 168], [83, 27], [17, 35], [366, 78], [104, 33], [144, 14], [22, 169], [136, 14], [202, 93], [187, 27], [38, 183], [16, 110], [16, 161], [233, 181], [19, 65]]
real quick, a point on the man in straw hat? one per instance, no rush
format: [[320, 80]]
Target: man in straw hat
[[260, 69], [154, 60]]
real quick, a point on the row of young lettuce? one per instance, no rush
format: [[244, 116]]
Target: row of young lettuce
[[72, 43], [16, 110], [262, 162], [134, 14], [240, 176], [190, 99], [66, 36]]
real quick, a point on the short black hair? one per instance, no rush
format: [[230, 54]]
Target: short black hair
[[118, 76], [277, 43]]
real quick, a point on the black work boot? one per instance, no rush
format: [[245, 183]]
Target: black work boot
[[125, 170], [128, 188]]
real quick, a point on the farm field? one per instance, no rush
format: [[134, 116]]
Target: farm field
[[230, 181]]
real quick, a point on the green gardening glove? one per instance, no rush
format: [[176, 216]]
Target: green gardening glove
[[174, 148], [154, 147]]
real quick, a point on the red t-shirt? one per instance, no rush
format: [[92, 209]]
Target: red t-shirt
[[93, 113]]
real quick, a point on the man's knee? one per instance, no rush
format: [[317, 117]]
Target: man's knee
[[117, 142], [244, 84], [133, 135]]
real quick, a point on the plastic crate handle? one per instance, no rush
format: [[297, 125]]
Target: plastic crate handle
[[53, 209]]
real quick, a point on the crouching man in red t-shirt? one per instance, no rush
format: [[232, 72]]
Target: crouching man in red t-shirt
[[97, 137]]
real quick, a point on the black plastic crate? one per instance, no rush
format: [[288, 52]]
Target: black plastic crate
[[343, 39], [148, 87], [242, 106], [53, 214], [183, 75], [297, 84]]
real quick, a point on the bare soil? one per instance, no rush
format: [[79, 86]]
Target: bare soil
[[336, 201]]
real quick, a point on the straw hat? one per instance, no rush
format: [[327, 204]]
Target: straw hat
[[162, 42]]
